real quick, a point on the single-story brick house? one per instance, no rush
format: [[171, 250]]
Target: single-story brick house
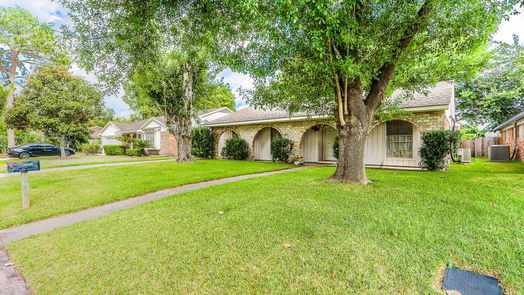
[[392, 143], [155, 130], [512, 134]]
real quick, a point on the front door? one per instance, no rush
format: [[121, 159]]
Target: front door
[[311, 145], [263, 145]]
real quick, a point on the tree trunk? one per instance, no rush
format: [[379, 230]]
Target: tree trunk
[[353, 123], [351, 146], [11, 140], [62, 147], [183, 140], [183, 124]]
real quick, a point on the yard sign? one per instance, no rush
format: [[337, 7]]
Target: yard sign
[[23, 168]]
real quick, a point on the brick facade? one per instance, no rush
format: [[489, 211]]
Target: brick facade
[[168, 145], [294, 130], [508, 137]]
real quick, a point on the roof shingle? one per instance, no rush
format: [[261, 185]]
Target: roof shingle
[[441, 94]]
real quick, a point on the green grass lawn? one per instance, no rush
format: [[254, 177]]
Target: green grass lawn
[[78, 160], [54, 193], [391, 237]]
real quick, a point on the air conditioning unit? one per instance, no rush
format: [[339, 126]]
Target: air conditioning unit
[[465, 155], [498, 153]]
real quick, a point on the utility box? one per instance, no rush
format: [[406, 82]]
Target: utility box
[[499, 153], [465, 155]]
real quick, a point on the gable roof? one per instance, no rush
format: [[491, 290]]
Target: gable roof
[[510, 121], [133, 126], [94, 132], [439, 96], [136, 125]]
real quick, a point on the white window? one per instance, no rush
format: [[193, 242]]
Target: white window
[[399, 139], [149, 135], [521, 132], [508, 135]]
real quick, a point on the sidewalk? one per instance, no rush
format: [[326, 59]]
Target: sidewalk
[[25, 230], [89, 166]]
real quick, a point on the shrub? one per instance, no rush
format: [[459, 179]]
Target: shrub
[[235, 149], [134, 152], [281, 149], [127, 141], [141, 145], [436, 147], [90, 148], [335, 148], [114, 150], [202, 143]]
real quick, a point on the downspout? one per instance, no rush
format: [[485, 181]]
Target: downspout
[[515, 144], [451, 144]]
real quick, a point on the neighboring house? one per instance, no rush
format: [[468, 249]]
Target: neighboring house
[[512, 134], [392, 143], [94, 134], [155, 130]]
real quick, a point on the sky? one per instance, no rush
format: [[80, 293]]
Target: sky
[[51, 12]]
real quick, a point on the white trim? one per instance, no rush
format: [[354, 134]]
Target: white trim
[[149, 120], [216, 111], [103, 129], [508, 128], [414, 109], [268, 120], [441, 107]]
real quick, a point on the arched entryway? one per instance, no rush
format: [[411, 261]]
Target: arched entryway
[[223, 137], [262, 143], [317, 144], [393, 143]]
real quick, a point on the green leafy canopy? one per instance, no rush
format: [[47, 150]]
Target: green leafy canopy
[[55, 101]]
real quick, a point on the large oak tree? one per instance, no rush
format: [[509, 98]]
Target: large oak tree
[[347, 56], [55, 102]]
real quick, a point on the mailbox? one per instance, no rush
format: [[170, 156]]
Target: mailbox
[[26, 166]]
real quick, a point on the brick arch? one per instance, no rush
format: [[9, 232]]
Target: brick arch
[[301, 151], [218, 134], [253, 136], [412, 122], [303, 132]]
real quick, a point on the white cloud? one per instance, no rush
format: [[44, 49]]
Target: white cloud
[[45, 10], [515, 25], [237, 81]]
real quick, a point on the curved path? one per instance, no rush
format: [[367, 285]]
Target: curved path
[[89, 166], [12, 283]]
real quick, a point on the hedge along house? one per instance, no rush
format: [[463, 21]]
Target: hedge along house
[[512, 134], [392, 143], [155, 131]]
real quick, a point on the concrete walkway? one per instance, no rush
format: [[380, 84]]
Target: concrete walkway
[[23, 231], [89, 166]]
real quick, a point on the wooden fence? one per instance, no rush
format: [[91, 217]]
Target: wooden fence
[[479, 145]]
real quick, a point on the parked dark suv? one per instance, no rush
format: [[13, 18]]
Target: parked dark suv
[[37, 150]]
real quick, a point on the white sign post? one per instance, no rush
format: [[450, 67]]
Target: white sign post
[[25, 190], [24, 168]]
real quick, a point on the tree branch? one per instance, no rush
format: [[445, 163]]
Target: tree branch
[[380, 83]]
